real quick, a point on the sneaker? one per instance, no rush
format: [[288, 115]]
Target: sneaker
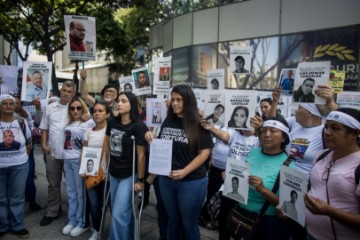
[[47, 220], [23, 233], [77, 231], [34, 206], [94, 235], [67, 229]]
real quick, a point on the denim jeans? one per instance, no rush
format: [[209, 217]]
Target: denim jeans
[[273, 227], [122, 218], [30, 191], [183, 201], [95, 196], [162, 216], [12, 197], [76, 193]]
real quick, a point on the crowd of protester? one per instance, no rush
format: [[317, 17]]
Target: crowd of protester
[[113, 124]]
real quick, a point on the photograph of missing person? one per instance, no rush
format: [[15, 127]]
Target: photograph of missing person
[[289, 207], [286, 82], [239, 117], [8, 141], [305, 92], [214, 118], [80, 37], [164, 74], [234, 194]]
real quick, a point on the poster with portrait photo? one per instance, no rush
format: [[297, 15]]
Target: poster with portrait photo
[[200, 98], [293, 186], [156, 111], [90, 161], [36, 81], [214, 107], [240, 59], [142, 81], [162, 71], [9, 76], [236, 183], [127, 84], [239, 108], [80, 34], [286, 81], [308, 76], [215, 79]]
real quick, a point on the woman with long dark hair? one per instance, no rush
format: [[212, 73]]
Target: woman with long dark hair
[[183, 191], [119, 145]]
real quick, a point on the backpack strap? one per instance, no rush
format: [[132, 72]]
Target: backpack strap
[[357, 175], [323, 155], [22, 125]]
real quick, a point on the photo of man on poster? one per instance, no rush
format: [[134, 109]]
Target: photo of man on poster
[[36, 89], [76, 37]]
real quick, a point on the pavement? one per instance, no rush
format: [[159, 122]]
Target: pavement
[[148, 223]]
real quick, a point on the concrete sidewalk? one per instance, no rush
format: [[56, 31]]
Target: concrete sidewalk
[[148, 228]]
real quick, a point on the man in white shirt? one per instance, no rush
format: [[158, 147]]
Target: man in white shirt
[[52, 125]]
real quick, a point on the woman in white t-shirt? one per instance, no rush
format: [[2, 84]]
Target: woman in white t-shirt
[[76, 192], [94, 137], [15, 140]]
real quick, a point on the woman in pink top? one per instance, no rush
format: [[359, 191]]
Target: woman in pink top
[[333, 203]]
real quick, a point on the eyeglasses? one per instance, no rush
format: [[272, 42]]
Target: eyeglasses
[[78, 108], [81, 30]]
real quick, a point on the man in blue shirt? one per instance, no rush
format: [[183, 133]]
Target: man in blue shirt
[[36, 89], [287, 84]]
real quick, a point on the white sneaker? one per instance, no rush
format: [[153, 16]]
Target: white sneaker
[[77, 231], [67, 229], [95, 235]]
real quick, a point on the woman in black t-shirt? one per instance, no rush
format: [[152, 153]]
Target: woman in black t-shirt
[[183, 191], [119, 144]]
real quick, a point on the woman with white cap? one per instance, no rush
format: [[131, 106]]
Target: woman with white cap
[[14, 150], [334, 198]]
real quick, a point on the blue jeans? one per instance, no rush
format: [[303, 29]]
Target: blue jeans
[[76, 193], [122, 218], [273, 227], [183, 201], [95, 196], [30, 191], [12, 197], [162, 215]]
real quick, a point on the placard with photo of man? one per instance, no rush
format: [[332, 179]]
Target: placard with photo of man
[[240, 63], [215, 79], [308, 76], [36, 80], [162, 70], [80, 37], [127, 84], [142, 81], [90, 161]]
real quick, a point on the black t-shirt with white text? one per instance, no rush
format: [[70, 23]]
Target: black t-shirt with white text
[[173, 129], [121, 145]]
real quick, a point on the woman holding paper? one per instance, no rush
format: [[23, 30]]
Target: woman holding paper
[[183, 191], [75, 185], [94, 137], [124, 129], [265, 165], [334, 198]]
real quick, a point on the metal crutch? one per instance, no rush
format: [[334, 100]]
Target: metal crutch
[[105, 204], [136, 217]]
